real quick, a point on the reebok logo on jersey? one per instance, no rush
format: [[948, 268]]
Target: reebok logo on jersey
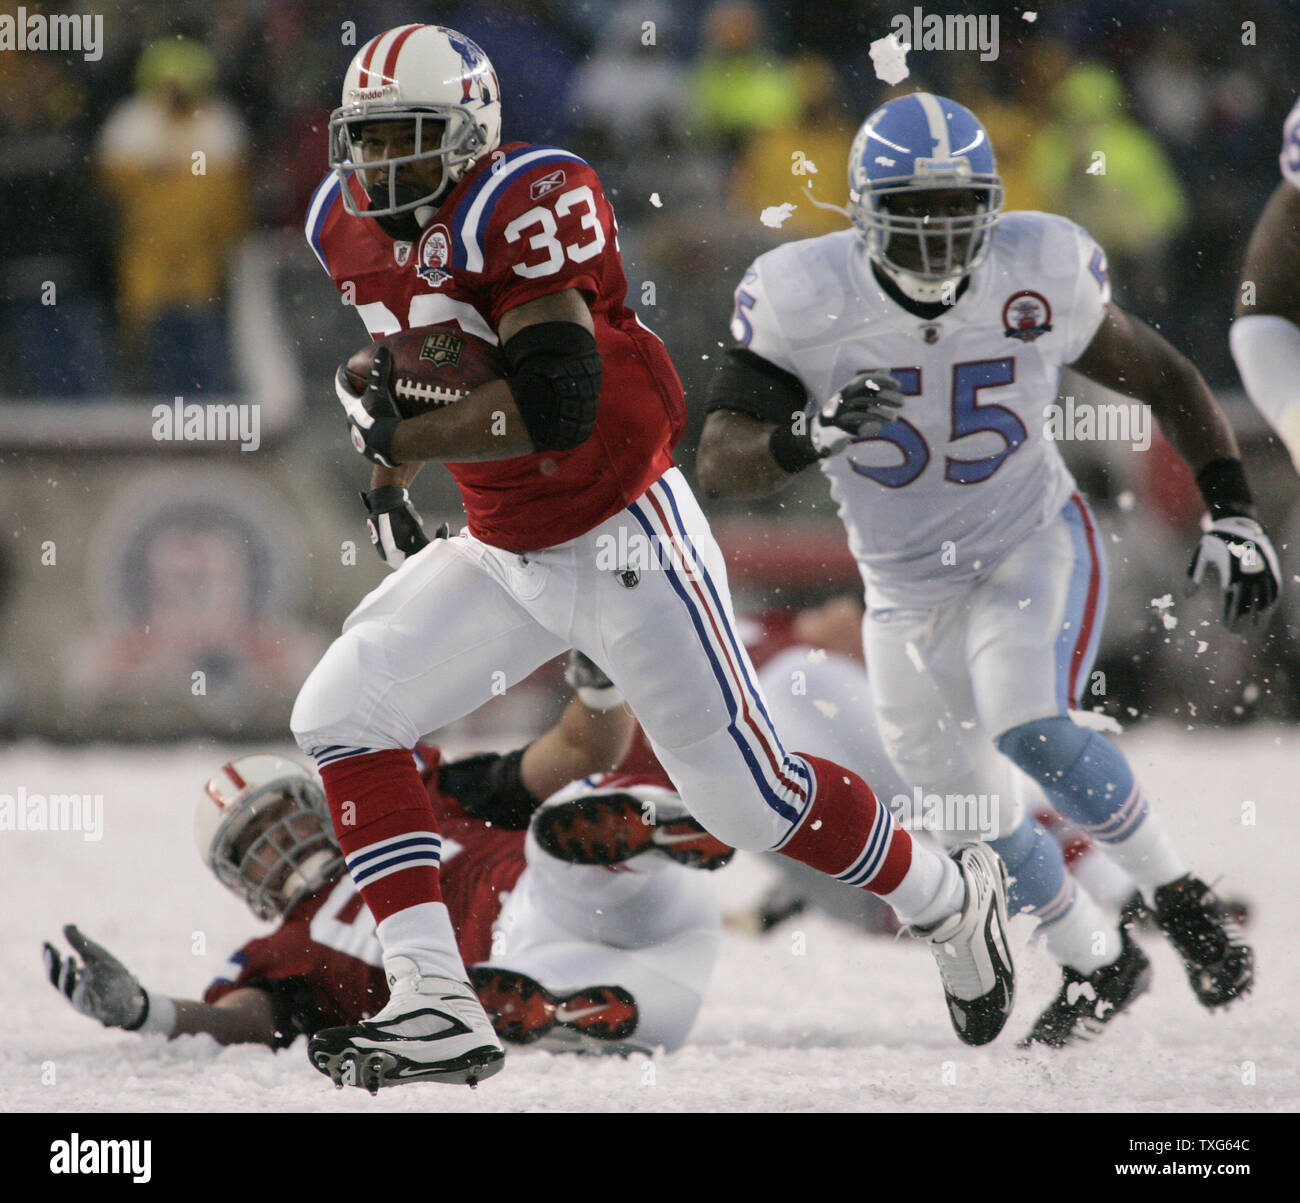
[[548, 183]]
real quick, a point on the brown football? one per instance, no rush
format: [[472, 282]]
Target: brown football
[[432, 366]]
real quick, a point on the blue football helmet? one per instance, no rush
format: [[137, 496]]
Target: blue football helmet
[[913, 146]]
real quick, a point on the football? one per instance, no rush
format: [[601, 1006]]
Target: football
[[432, 367]]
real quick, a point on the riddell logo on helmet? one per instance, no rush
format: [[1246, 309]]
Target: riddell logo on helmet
[[387, 92]]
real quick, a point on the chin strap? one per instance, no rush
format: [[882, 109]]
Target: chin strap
[[916, 288]]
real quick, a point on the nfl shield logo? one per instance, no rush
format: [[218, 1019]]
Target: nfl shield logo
[[442, 348], [401, 252]]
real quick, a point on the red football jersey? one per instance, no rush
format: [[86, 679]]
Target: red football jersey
[[323, 965], [525, 222]]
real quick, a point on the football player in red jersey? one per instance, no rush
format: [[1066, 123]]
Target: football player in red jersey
[[561, 930], [581, 534]]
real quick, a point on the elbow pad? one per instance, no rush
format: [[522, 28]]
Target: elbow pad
[[555, 379]]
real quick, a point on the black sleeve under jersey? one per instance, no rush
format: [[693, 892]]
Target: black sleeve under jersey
[[750, 384]]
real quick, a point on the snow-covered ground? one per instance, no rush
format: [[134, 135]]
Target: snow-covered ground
[[829, 1021]]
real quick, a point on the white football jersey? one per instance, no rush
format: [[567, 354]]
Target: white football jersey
[[1290, 156], [966, 471]]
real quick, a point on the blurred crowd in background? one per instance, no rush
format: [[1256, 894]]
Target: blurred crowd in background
[[699, 105], [694, 114]]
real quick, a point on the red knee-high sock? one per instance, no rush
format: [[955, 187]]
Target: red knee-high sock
[[385, 823], [849, 833]]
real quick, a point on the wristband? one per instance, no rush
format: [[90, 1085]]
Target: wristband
[[793, 453], [1223, 487], [157, 1018]]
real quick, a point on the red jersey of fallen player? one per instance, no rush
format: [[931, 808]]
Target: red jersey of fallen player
[[323, 965], [524, 222]]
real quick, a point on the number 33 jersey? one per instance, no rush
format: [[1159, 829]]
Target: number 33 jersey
[[523, 223], [967, 471]]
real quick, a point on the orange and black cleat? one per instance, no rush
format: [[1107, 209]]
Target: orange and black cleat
[[608, 829], [595, 1019]]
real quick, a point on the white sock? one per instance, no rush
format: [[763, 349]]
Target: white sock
[[423, 933], [931, 890], [1083, 937], [1097, 873], [1147, 856]]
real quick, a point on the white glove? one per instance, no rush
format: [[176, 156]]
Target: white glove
[[102, 987], [1240, 552]]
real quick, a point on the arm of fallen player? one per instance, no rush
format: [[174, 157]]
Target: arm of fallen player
[[100, 987], [243, 1016], [584, 741]]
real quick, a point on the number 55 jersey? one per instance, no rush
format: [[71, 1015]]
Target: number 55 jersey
[[524, 222], [968, 470]]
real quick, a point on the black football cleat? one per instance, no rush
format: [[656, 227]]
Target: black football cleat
[[1086, 1004], [1220, 964], [608, 829]]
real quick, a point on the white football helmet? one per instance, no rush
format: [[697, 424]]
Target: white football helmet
[[437, 79], [263, 827]]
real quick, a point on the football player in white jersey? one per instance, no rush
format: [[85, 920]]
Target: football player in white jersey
[[916, 358], [1265, 337]]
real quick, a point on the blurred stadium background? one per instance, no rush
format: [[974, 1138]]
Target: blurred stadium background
[[129, 564]]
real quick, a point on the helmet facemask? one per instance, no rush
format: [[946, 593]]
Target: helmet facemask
[[277, 847], [920, 248], [445, 134]]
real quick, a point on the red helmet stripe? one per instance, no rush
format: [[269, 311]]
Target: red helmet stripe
[[390, 62], [230, 772], [364, 79]]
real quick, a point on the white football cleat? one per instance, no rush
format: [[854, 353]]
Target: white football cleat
[[970, 947], [432, 1030]]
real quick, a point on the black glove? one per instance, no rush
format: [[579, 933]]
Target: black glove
[[396, 530], [102, 987], [372, 415], [1241, 554], [859, 410], [491, 788]]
